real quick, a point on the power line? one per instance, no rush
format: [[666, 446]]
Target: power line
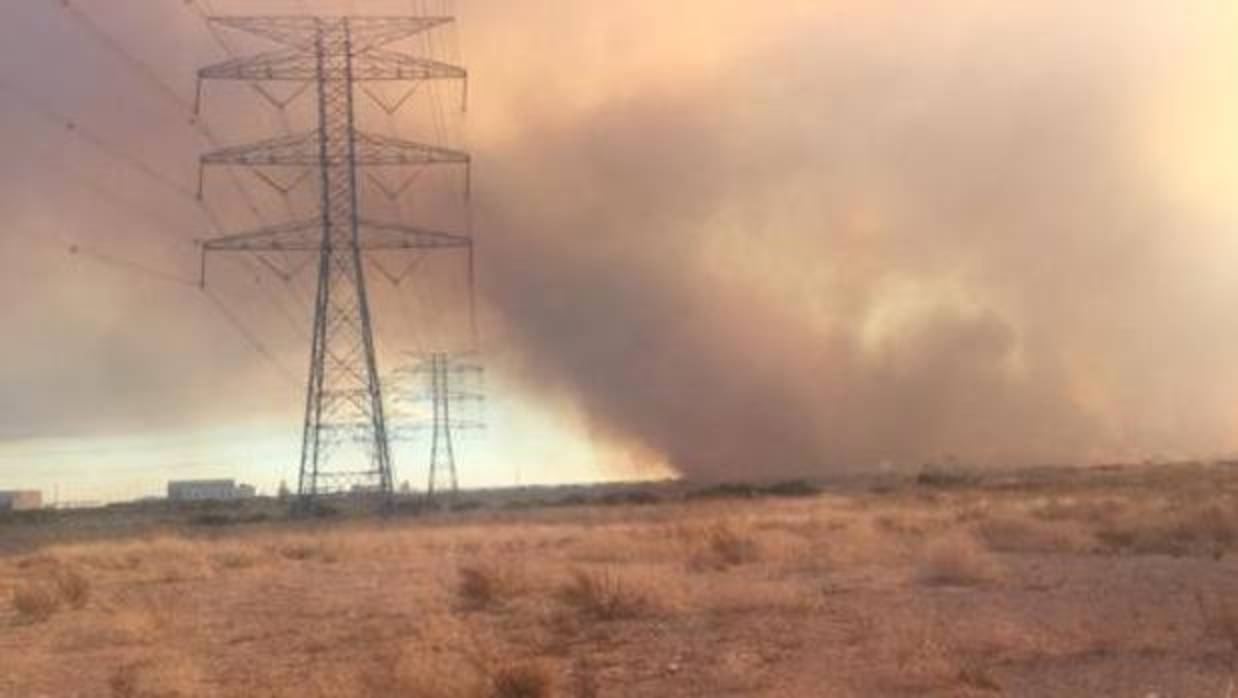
[[141, 68], [40, 108], [249, 337], [150, 77], [130, 265]]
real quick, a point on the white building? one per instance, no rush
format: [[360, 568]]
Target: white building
[[20, 500], [202, 490]]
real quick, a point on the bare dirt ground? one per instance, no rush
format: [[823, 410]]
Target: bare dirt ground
[[1106, 584]]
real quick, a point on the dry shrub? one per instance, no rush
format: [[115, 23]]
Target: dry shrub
[[601, 594], [975, 675], [73, 588], [40, 561], [483, 584], [171, 676], [1019, 533], [233, 559], [917, 525], [522, 680], [305, 550], [454, 663], [957, 559], [722, 546], [1207, 529], [35, 603]]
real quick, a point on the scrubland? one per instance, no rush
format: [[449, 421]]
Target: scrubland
[[1118, 584]]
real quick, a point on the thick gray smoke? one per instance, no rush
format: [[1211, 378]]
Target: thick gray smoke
[[745, 240], [865, 244]]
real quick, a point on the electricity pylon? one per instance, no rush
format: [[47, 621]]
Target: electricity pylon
[[344, 438], [447, 381]]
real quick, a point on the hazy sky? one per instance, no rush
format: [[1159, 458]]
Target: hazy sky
[[734, 239]]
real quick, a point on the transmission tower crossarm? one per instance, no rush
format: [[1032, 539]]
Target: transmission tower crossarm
[[377, 64], [373, 149], [302, 150], [287, 64], [298, 236], [292, 65], [391, 236], [301, 32]]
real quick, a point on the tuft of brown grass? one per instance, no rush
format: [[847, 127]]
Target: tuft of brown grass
[[602, 594], [73, 587], [1149, 530], [306, 550], [35, 603], [233, 559], [1013, 532], [484, 584], [722, 546], [170, 676], [522, 680], [957, 559]]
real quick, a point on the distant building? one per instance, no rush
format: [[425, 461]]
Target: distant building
[[20, 500], [202, 490]]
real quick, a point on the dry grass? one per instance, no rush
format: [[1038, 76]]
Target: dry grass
[[484, 584], [604, 594], [73, 588], [233, 559], [1220, 617], [1179, 529], [303, 550], [1016, 532], [721, 546], [837, 595], [522, 680], [957, 559], [35, 603], [163, 676], [55, 587]]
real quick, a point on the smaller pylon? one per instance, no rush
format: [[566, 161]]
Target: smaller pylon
[[445, 381]]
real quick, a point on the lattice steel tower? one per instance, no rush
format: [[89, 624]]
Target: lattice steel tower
[[446, 388], [345, 442]]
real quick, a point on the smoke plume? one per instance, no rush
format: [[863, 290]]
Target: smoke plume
[[872, 240]]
